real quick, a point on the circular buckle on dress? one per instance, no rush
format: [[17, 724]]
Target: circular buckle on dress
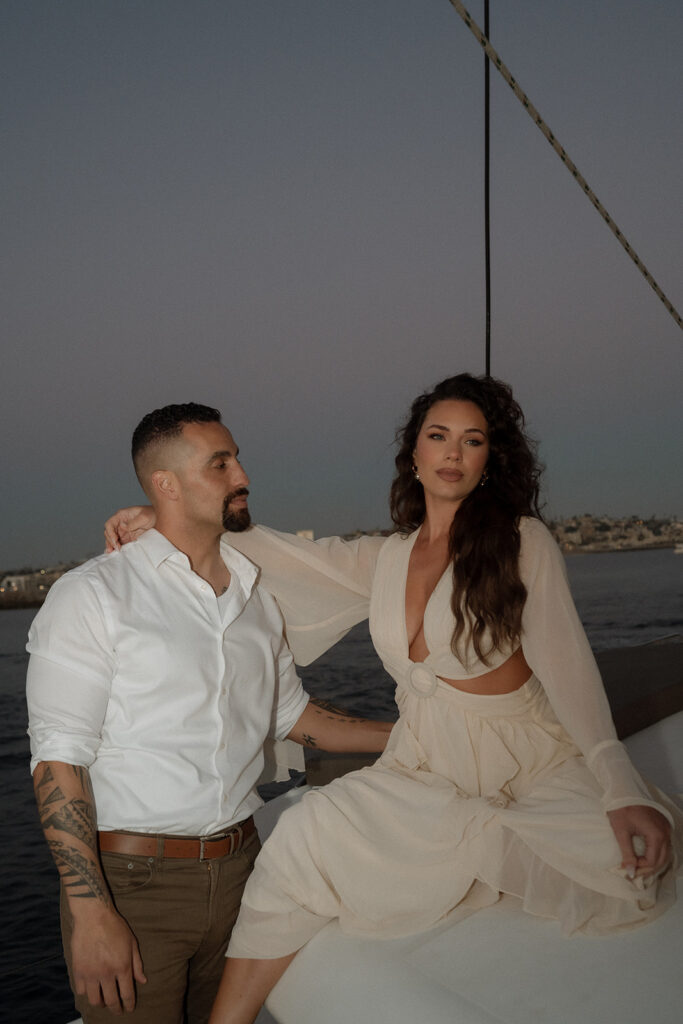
[[422, 680]]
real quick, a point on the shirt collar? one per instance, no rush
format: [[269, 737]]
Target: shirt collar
[[240, 565], [158, 549]]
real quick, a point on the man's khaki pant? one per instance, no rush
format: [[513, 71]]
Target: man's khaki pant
[[181, 912]]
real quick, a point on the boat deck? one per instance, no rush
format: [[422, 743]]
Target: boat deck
[[500, 965]]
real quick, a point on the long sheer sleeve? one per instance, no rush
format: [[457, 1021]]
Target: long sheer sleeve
[[557, 650], [322, 587]]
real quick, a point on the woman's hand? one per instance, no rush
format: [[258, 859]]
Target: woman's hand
[[638, 825], [128, 524]]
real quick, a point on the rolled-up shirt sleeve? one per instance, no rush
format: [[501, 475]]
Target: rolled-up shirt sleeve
[[69, 674], [291, 698]]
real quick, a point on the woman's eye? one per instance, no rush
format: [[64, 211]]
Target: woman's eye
[[474, 441], [435, 437]]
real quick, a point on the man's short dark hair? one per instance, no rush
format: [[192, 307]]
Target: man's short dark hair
[[168, 422]]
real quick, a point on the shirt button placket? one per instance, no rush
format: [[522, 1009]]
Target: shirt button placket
[[222, 710]]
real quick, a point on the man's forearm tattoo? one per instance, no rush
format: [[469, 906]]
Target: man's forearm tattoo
[[52, 798], [76, 818], [83, 776], [43, 777], [69, 821], [80, 876]]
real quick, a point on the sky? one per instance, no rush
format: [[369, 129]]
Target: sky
[[275, 207]]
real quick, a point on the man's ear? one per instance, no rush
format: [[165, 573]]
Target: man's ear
[[165, 485]]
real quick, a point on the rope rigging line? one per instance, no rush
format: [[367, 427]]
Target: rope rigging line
[[487, 192], [563, 155]]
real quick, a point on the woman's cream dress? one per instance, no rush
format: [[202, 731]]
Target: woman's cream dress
[[475, 795]]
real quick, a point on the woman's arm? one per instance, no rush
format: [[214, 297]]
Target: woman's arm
[[322, 587], [557, 649], [326, 727]]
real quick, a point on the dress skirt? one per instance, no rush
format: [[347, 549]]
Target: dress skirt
[[474, 796]]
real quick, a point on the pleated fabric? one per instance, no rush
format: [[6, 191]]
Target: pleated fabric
[[475, 796]]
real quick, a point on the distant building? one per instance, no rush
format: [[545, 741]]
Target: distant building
[[602, 533], [15, 583], [29, 589]]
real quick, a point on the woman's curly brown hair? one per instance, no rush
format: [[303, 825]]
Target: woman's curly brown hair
[[484, 543]]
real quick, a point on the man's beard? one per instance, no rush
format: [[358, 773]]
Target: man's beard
[[236, 520]]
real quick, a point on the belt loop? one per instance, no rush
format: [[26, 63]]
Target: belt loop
[[236, 838], [202, 844], [160, 848]]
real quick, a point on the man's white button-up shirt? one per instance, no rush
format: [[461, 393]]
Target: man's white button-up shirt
[[164, 692]]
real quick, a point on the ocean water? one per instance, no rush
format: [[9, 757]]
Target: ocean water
[[627, 598], [623, 598]]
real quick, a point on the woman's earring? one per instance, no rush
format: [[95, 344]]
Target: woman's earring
[[484, 478], [415, 472]]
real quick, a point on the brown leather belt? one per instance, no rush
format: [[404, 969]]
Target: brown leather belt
[[205, 848]]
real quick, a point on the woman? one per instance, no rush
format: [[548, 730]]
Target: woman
[[498, 774]]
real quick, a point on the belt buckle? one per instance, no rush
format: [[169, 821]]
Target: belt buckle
[[235, 835]]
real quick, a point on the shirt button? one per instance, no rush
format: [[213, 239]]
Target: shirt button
[[224, 691], [222, 746]]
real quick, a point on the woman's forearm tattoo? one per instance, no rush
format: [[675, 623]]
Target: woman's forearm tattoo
[[334, 713]]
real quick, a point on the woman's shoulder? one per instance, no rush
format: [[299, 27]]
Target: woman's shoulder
[[533, 530], [401, 536], [538, 548], [394, 543]]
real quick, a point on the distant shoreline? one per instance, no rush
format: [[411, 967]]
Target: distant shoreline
[[600, 549], [13, 602], [30, 598]]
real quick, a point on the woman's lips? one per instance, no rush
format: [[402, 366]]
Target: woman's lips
[[450, 475]]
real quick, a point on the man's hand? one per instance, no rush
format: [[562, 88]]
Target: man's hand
[[638, 825], [127, 524], [106, 960]]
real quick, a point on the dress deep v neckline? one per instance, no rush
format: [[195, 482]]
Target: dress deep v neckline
[[404, 594]]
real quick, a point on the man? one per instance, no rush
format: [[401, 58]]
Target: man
[[156, 674]]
